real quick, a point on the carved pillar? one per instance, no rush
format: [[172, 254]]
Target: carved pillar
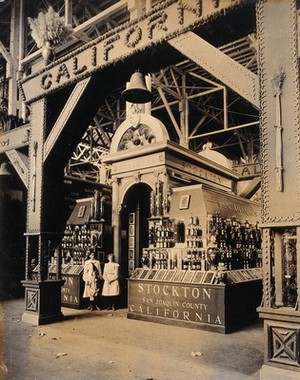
[[267, 267], [42, 297], [116, 210], [278, 270], [15, 55], [298, 266], [280, 147]]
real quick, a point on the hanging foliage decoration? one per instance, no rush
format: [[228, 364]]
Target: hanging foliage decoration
[[49, 27]]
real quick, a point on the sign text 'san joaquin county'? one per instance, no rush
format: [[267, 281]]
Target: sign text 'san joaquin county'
[[168, 19]]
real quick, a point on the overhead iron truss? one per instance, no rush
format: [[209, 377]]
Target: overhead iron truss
[[194, 107]]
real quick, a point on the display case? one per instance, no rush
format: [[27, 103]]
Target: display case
[[202, 266], [72, 290], [87, 229], [84, 230], [211, 300], [205, 229]]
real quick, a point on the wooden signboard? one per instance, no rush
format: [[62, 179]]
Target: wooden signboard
[[219, 308], [179, 303], [71, 292], [167, 20], [72, 289]]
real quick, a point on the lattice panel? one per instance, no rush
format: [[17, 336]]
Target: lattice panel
[[284, 346], [32, 300]]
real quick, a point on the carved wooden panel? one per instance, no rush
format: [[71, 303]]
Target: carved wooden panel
[[284, 345], [32, 298]]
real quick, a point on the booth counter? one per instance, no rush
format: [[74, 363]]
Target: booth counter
[[212, 300]]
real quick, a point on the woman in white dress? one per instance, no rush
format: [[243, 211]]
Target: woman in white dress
[[91, 277], [111, 287]]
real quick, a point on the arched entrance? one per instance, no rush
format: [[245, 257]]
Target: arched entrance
[[134, 230]]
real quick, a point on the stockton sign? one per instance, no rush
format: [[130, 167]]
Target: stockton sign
[[188, 303], [70, 291], [168, 19]]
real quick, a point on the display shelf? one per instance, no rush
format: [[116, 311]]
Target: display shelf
[[161, 232], [85, 229], [208, 242], [199, 277], [170, 274]]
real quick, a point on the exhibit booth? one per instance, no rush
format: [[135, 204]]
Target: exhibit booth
[[190, 248]]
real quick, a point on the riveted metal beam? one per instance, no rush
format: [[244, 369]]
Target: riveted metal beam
[[15, 138], [64, 116], [220, 65], [20, 163]]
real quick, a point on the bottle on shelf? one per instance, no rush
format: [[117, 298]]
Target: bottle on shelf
[[194, 233], [238, 243], [185, 264], [75, 242]]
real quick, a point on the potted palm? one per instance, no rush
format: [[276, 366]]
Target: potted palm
[[49, 30]]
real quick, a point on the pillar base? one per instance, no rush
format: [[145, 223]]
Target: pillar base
[[273, 373], [282, 343], [42, 302]]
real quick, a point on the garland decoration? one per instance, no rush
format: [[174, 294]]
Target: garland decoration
[[135, 29]]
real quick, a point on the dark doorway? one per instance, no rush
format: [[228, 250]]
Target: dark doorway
[[134, 229], [13, 200]]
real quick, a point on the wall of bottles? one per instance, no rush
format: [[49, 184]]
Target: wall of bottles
[[225, 243], [75, 243], [237, 245], [194, 258], [159, 259], [165, 234], [161, 233]]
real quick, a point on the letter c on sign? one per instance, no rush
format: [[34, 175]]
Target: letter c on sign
[[46, 83], [131, 308], [166, 290], [156, 289]]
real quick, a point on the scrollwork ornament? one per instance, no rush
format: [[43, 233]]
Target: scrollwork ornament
[[137, 177], [115, 181], [136, 108]]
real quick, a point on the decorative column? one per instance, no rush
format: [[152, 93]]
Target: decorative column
[[42, 296], [13, 104], [280, 149], [116, 210]]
